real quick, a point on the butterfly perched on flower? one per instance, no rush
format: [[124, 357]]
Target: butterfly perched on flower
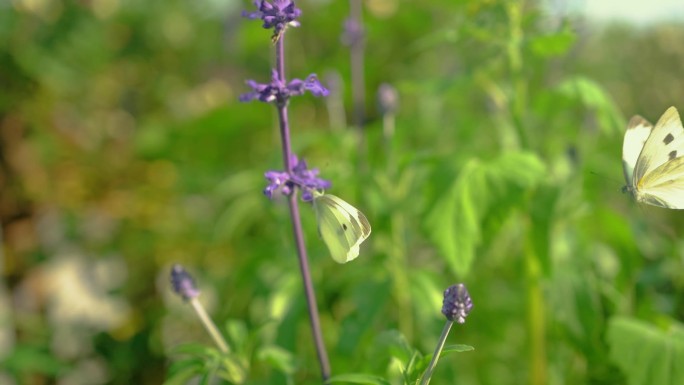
[[653, 160]]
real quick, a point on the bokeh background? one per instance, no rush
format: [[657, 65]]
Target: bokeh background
[[124, 149]]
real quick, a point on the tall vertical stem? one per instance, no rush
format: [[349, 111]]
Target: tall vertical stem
[[282, 106], [514, 52], [425, 380], [296, 222], [357, 78], [210, 326], [536, 321]]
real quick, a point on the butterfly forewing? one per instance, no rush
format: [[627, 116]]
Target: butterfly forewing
[[341, 226], [358, 220], [637, 132], [665, 143]]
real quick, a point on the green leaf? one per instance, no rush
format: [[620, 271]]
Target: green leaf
[[592, 96], [233, 369], [192, 364], [645, 353], [482, 191], [541, 213], [394, 344], [415, 366], [552, 45], [458, 348], [194, 349], [358, 378], [237, 333], [182, 376], [32, 359], [424, 361], [278, 358]]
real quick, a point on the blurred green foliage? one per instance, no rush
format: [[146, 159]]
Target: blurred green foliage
[[123, 150]]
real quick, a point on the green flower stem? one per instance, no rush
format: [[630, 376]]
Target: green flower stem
[[514, 10], [536, 321], [435, 357], [210, 326], [388, 129], [399, 269], [358, 81]]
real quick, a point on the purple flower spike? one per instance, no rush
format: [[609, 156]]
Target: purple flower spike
[[457, 303], [277, 15], [388, 99], [307, 179], [279, 92], [182, 283], [353, 32]]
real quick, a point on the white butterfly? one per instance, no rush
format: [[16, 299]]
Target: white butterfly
[[342, 226], [653, 162]]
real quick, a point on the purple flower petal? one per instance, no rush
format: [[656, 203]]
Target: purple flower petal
[[314, 86], [307, 179], [278, 91]]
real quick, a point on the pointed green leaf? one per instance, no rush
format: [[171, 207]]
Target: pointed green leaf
[[458, 348], [194, 349], [541, 213], [393, 344], [552, 45], [358, 378], [183, 376], [482, 192], [278, 358], [645, 353], [592, 96]]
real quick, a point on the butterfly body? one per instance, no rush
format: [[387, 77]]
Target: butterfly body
[[653, 160], [341, 226]]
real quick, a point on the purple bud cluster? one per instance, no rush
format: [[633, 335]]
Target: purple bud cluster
[[457, 303], [284, 183], [277, 15], [182, 283]]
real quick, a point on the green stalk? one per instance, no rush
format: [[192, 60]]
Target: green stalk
[[518, 106], [425, 380], [209, 325], [536, 323]]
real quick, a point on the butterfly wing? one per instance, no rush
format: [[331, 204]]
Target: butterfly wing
[[664, 186], [636, 135], [665, 143], [341, 226]]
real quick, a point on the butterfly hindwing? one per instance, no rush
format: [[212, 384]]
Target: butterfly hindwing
[[664, 186], [329, 229]]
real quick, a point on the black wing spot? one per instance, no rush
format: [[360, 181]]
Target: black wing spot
[[672, 154], [668, 139], [344, 226]]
